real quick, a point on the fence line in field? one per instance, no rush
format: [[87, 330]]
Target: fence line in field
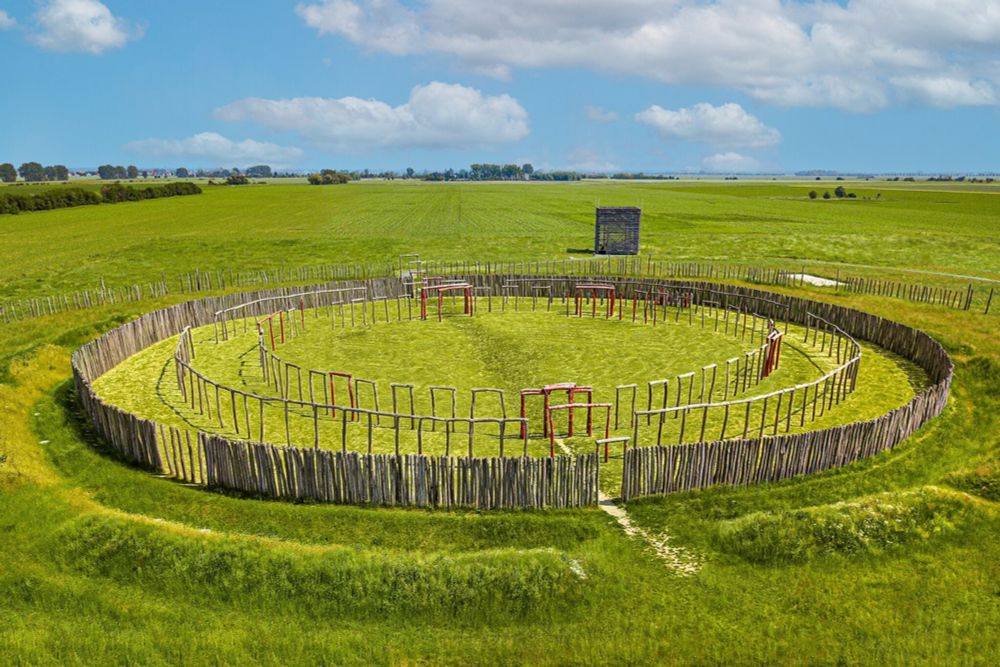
[[187, 283], [224, 279]]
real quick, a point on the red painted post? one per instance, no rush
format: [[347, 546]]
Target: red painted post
[[590, 414], [350, 395], [302, 310], [440, 304], [270, 326], [333, 396], [606, 445], [593, 303], [545, 412], [570, 397], [281, 318]]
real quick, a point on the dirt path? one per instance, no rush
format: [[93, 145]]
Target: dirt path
[[677, 559]]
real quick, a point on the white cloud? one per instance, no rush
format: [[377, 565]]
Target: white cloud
[[808, 53], [943, 91], [590, 161], [599, 115], [214, 149], [723, 125], [6, 20], [437, 115], [728, 163], [86, 26]]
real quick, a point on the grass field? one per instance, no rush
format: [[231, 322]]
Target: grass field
[[938, 230], [892, 560]]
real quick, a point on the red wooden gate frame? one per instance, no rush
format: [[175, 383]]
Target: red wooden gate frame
[[466, 288], [546, 392], [270, 325], [570, 407], [773, 351], [580, 292], [350, 392]]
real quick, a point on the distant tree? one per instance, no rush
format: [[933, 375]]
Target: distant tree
[[32, 171], [7, 173], [329, 177], [182, 172], [812, 194], [409, 172], [511, 171], [132, 171], [840, 192], [259, 171], [59, 172], [106, 172], [826, 195], [527, 169], [237, 179]]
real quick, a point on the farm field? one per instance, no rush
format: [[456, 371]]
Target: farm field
[[894, 559], [279, 225]]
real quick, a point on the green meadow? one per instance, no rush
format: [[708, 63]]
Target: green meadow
[[266, 226], [893, 560]]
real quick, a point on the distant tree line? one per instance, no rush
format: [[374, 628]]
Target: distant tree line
[[111, 193], [512, 172], [110, 172], [33, 172]]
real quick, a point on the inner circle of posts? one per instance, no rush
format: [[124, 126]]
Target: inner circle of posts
[[279, 319]]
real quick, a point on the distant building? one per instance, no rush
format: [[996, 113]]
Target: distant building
[[616, 231]]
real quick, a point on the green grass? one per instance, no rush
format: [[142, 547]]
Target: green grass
[[103, 563], [282, 224]]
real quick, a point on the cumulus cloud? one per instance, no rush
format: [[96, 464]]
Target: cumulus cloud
[[86, 26], [723, 125], [437, 115], [808, 53], [590, 161], [599, 115], [946, 92], [215, 149], [728, 163], [6, 20]]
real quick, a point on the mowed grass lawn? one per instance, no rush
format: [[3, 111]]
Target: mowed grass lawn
[[893, 560]]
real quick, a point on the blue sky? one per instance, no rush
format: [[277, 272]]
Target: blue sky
[[654, 85]]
